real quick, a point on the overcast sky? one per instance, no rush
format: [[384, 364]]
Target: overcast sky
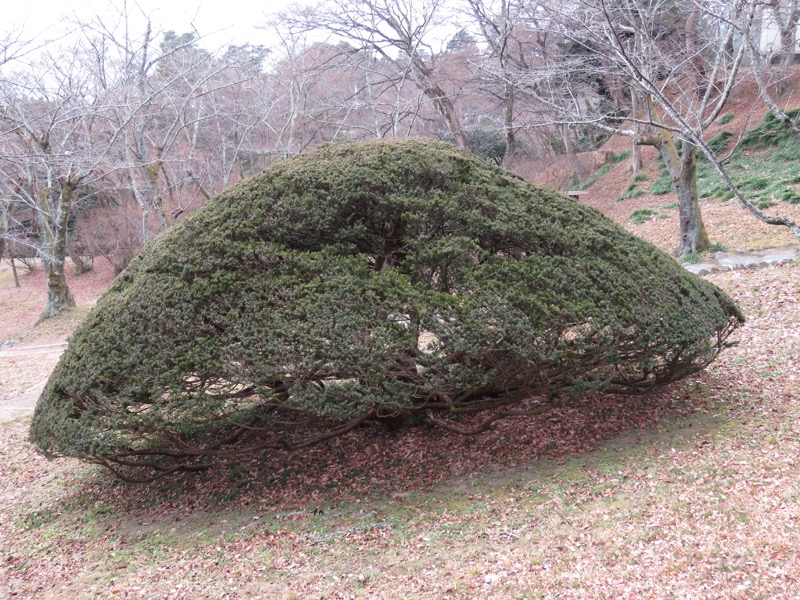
[[224, 22]]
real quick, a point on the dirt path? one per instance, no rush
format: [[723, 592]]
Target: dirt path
[[15, 358]]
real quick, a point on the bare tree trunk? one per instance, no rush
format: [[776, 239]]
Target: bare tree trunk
[[787, 45], [508, 125], [786, 15], [2, 238], [695, 58], [14, 271], [569, 149], [693, 234], [614, 87], [3, 246], [444, 106], [78, 265], [58, 294], [636, 149], [766, 96], [683, 171], [145, 210], [153, 171]]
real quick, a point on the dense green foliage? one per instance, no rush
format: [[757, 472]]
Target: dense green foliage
[[362, 282]]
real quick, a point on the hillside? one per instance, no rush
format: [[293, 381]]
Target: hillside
[[729, 225]]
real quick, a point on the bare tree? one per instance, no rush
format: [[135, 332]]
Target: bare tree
[[162, 92], [685, 71], [783, 15], [397, 31], [45, 139], [507, 59], [761, 59]]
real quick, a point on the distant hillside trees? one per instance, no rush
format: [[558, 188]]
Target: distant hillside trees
[[149, 125]]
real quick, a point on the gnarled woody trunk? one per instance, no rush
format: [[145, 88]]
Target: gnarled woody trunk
[[683, 171], [682, 167], [58, 293]]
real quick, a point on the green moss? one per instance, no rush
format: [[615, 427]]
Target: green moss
[[762, 166], [593, 178], [726, 118], [755, 183], [367, 281], [790, 196], [770, 132]]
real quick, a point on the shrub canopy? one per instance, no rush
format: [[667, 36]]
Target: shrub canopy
[[363, 281]]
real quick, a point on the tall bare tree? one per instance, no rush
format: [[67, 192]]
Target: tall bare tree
[[46, 137], [681, 63], [397, 31], [783, 15]]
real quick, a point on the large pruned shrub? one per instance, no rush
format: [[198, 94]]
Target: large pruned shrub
[[366, 281]]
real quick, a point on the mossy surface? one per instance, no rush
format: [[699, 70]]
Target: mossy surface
[[388, 279]]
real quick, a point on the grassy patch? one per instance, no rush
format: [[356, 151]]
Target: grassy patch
[[770, 132], [614, 159], [790, 196], [633, 191], [726, 118], [662, 185], [692, 258], [593, 178], [641, 216], [719, 143], [618, 157], [759, 167]]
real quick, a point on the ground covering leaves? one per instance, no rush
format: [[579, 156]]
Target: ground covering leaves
[[688, 493]]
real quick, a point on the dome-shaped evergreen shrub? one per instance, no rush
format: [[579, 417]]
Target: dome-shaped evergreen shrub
[[361, 281]]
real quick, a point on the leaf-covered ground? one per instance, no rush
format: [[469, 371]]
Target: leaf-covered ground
[[689, 493], [692, 492]]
